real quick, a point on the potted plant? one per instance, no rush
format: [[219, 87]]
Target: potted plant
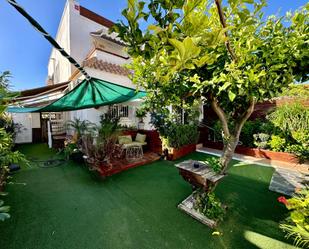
[[72, 152], [141, 114], [179, 140], [79, 127]]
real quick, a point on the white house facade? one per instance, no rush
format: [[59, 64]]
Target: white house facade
[[84, 35]]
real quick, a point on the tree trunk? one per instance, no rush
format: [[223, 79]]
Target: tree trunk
[[228, 151], [230, 137]]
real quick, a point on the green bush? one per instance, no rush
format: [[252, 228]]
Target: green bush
[[179, 135], [300, 151], [214, 163], [277, 143], [296, 225], [291, 117], [293, 122], [287, 127], [250, 128], [296, 90], [4, 210], [261, 140], [7, 155], [208, 204]]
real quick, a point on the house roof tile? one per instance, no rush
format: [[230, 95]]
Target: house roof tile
[[106, 66]]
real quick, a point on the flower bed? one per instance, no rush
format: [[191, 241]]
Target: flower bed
[[260, 153]]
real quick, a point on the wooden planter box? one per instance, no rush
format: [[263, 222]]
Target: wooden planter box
[[259, 153], [174, 154], [187, 206]]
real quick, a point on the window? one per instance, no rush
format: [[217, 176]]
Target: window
[[119, 111]]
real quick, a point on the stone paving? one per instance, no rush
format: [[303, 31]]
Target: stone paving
[[286, 181]]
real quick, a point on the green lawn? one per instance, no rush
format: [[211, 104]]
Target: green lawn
[[68, 207]]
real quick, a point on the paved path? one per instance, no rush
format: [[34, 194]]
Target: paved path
[[287, 177], [285, 181]]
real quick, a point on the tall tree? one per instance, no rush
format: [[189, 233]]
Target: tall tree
[[230, 56]]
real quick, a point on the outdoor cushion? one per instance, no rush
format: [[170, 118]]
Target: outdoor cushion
[[125, 139], [140, 138], [125, 146]]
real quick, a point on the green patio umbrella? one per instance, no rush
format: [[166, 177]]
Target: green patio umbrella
[[88, 94]]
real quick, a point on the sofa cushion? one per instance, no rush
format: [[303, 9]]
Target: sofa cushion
[[125, 139], [125, 146], [140, 138]]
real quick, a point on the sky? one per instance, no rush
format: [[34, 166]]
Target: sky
[[25, 53]]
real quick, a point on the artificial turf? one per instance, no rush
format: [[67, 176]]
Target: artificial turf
[[69, 207]]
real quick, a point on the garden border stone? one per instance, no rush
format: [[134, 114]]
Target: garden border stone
[[187, 206]]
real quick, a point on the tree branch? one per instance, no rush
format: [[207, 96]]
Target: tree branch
[[221, 115], [223, 23], [244, 117]]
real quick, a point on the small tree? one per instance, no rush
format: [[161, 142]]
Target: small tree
[[230, 56]]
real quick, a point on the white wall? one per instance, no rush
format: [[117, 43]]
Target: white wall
[[74, 36], [59, 68], [25, 135], [80, 39]]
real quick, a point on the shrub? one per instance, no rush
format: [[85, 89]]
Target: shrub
[[301, 136], [208, 204], [277, 143], [214, 163], [291, 117], [300, 151], [4, 210], [261, 140], [296, 225], [69, 149], [296, 90], [179, 135], [249, 128], [79, 126]]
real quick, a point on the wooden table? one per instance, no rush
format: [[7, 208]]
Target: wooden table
[[198, 177]]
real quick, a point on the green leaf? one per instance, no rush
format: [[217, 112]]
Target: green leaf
[[5, 209], [4, 216], [155, 28], [297, 217], [225, 86], [232, 96], [179, 46], [191, 49]]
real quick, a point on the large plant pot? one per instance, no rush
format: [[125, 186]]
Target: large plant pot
[[174, 153]]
